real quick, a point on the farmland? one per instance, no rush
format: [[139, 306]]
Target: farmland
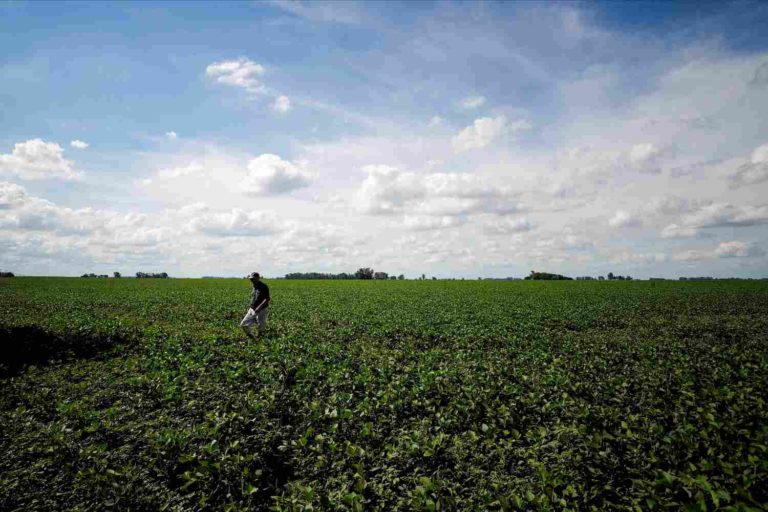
[[134, 394]]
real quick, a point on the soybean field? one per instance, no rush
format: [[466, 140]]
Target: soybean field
[[144, 394]]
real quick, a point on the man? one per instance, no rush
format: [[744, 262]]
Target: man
[[258, 308]]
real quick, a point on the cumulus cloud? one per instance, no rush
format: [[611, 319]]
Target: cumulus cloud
[[716, 215], [737, 249], [38, 160], [235, 222], [86, 237], [427, 222], [754, 171], [485, 130], [677, 231], [623, 219], [635, 258], [732, 249], [171, 135], [387, 190], [282, 104], [505, 226], [645, 157], [191, 169], [11, 195], [19, 210], [78, 144], [270, 174], [473, 102], [669, 205], [242, 73]]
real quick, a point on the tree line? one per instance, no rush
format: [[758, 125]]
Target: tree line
[[144, 275], [361, 273], [545, 276]]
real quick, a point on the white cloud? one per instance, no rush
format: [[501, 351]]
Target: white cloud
[[505, 226], [282, 104], [645, 157], [485, 130], [19, 210], [635, 258], [473, 102], [242, 73], [11, 195], [753, 172], [427, 222], [78, 144], [270, 174], [669, 205], [716, 215], [723, 214], [677, 231], [193, 168], [171, 135], [692, 255], [235, 222], [38, 160], [732, 249], [737, 249], [387, 190], [86, 238], [329, 12], [623, 219]]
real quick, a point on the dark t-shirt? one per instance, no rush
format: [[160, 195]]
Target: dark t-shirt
[[260, 292]]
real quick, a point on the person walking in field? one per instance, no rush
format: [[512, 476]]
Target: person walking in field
[[258, 308]]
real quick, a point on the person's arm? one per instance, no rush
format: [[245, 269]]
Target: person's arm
[[263, 304]]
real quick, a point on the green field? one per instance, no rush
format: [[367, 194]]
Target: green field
[[134, 394]]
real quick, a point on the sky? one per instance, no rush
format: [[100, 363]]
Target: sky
[[451, 139]]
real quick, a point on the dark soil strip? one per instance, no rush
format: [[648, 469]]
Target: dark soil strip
[[28, 345]]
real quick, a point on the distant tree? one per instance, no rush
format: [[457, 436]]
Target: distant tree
[[401, 277], [610, 276], [545, 276], [147, 275], [364, 273], [601, 278], [7, 274], [380, 275], [434, 278], [393, 278], [423, 277], [117, 274]]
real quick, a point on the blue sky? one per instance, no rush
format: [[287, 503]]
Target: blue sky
[[447, 138]]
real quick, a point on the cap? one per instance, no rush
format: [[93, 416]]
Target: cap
[[253, 275]]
